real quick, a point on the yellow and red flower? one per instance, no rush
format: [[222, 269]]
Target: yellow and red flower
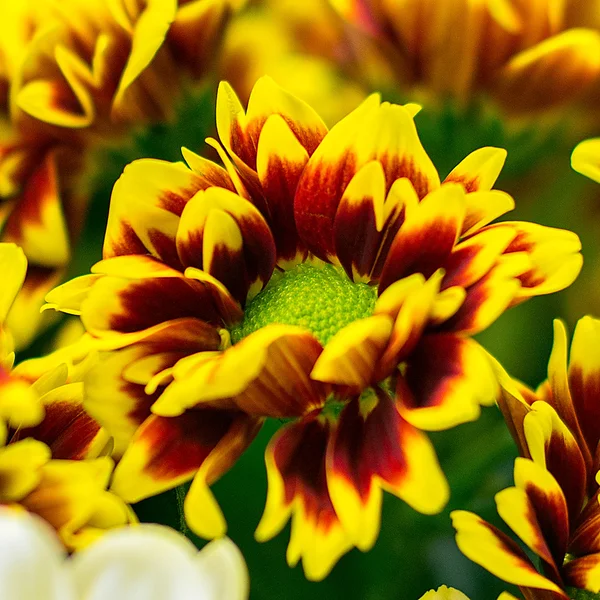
[[74, 74], [327, 277], [52, 459], [554, 507], [526, 56]]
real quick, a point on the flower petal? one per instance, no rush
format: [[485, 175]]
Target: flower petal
[[586, 158], [427, 236], [295, 459], [373, 131], [265, 374], [493, 550], [13, 266], [373, 447], [446, 380], [479, 170], [166, 452]]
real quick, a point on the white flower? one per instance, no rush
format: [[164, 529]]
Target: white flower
[[139, 562]]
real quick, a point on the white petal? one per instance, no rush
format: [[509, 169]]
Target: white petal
[[31, 559], [140, 562], [223, 571]]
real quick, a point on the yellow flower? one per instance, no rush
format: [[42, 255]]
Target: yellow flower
[[143, 562], [328, 277], [527, 56], [554, 507]]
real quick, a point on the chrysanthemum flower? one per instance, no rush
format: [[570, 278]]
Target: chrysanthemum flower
[[329, 278], [554, 507], [50, 449], [527, 56], [142, 562], [73, 74]]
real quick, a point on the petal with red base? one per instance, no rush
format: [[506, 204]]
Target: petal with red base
[[350, 358], [239, 131], [358, 221], [487, 546], [67, 429], [490, 296], [426, 239], [202, 513], [145, 205], [20, 466], [554, 254], [474, 257], [280, 160], [227, 237], [295, 459], [115, 387], [166, 452], [584, 572], [37, 223], [483, 207], [479, 170], [265, 374], [553, 447], [120, 305], [410, 302], [536, 510], [584, 378], [373, 131], [371, 448], [447, 378]]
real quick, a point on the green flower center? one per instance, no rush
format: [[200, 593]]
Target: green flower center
[[319, 298]]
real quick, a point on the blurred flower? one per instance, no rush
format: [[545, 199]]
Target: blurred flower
[[527, 56], [324, 277], [264, 41], [49, 446], [142, 562], [586, 159], [554, 507], [74, 74]]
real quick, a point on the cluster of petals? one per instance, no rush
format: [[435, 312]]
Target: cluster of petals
[[75, 73], [138, 562], [188, 248], [53, 456], [527, 56], [554, 506]]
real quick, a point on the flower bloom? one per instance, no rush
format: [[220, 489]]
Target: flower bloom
[[51, 451], [527, 56], [74, 74], [141, 562], [554, 507], [327, 277]]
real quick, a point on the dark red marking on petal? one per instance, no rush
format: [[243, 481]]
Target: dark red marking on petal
[[129, 243], [586, 536], [152, 301], [585, 393], [179, 445], [279, 184], [67, 429], [299, 454], [318, 195], [421, 250], [365, 447], [165, 248], [432, 370], [356, 238], [397, 166], [471, 184]]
